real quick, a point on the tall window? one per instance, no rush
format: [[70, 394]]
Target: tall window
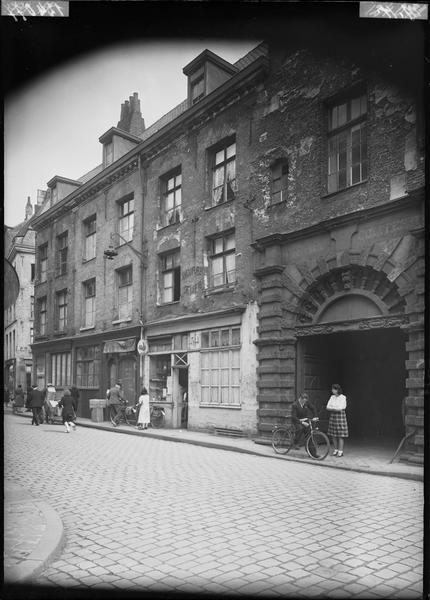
[[347, 143], [89, 303], [61, 257], [125, 292], [43, 262], [126, 220], [61, 310], [220, 366], [279, 181], [224, 174], [88, 366], [41, 304], [33, 271], [222, 260], [172, 199], [61, 369], [31, 335], [90, 238], [31, 307], [171, 277]]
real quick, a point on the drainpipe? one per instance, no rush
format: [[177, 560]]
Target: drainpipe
[[143, 267]]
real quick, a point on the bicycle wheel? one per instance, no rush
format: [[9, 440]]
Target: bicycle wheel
[[282, 440], [157, 419], [130, 417], [317, 445]]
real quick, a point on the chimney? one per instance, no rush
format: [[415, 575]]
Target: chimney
[[131, 119], [28, 209]]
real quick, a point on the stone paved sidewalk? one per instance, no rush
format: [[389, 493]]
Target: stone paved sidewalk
[[374, 459], [33, 533]]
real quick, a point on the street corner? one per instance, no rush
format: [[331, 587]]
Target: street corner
[[33, 535]]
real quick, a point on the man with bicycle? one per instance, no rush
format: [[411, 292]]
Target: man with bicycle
[[301, 410], [115, 399]]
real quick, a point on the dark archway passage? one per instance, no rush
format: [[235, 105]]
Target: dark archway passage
[[370, 367]]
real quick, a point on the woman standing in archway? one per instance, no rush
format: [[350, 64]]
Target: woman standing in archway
[[338, 425]]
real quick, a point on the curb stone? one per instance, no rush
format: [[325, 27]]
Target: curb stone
[[50, 545]]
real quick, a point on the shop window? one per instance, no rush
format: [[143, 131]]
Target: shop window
[[125, 292], [347, 143], [222, 260], [170, 277], [279, 172], [61, 369], [61, 254], [126, 219], [90, 238], [61, 310], [88, 367], [160, 377], [220, 366], [171, 200], [223, 173], [43, 262], [89, 308]]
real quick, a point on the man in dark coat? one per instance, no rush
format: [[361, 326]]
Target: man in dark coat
[[37, 400], [302, 409]]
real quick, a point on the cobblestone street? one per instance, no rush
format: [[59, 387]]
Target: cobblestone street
[[147, 514]]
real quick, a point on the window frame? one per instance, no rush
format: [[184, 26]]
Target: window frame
[[175, 271], [213, 255], [90, 234], [62, 253], [215, 166], [228, 359], [42, 310], [82, 378], [61, 363], [281, 163], [341, 131], [126, 216], [128, 285], [173, 215], [43, 262], [86, 297], [61, 322]]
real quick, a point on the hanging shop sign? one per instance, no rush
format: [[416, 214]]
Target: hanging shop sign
[[142, 347]]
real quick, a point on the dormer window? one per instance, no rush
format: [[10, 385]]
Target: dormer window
[[205, 73], [197, 83], [108, 154], [55, 195]]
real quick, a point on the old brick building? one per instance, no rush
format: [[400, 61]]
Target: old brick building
[[19, 317], [267, 234]]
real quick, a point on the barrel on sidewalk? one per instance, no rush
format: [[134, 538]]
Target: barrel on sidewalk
[[97, 405]]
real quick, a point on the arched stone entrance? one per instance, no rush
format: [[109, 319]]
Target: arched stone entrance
[[365, 307]]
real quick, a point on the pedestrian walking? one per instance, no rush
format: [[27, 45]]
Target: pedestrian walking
[[338, 425], [75, 395], [37, 399], [115, 399], [19, 397], [143, 418], [301, 410], [68, 413], [50, 403]]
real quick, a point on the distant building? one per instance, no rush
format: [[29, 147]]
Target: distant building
[[265, 236], [19, 318]]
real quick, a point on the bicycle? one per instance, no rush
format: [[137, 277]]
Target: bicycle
[[157, 416], [317, 443], [124, 414]]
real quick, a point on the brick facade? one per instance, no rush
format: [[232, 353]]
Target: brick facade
[[273, 106]]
